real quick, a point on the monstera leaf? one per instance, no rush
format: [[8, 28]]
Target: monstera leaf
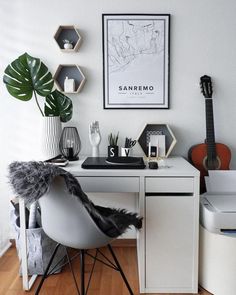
[[58, 104], [26, 75]]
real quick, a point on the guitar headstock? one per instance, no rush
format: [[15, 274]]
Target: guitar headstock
[[206, 86]]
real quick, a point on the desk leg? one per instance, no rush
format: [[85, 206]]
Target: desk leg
[[27, 284], [141, 237]]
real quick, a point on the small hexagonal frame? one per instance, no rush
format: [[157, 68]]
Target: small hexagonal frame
[[69, 33], [157, 129], [72, 72]]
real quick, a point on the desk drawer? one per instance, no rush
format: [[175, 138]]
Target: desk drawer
[[169, 185], [109, 184]]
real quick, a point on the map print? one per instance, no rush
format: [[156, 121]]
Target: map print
[[131, 39]]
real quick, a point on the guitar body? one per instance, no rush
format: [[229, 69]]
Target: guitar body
[[198, 157], [209, 155]]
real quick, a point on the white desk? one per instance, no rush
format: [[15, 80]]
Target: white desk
[[168, 199]]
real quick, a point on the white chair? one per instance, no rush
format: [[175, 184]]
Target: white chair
[[66, 220]]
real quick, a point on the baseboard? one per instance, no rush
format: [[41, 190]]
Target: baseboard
[[124, 243], [4, 250]]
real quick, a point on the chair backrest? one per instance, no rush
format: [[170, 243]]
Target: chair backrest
[[66, 220]]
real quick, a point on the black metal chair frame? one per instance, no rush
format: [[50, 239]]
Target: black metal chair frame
[[81, 253]]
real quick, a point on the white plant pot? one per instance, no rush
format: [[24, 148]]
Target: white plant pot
[[51, 133]]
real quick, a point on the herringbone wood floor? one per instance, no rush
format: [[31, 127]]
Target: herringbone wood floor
[[105, 281]]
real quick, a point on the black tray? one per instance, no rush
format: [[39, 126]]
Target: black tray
[[113, 163]]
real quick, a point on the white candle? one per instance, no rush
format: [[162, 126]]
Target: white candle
[[69, 85]]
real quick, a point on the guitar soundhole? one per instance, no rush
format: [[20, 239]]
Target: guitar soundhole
[[211, 164]]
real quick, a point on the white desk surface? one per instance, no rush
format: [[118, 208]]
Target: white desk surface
[[174, 166]]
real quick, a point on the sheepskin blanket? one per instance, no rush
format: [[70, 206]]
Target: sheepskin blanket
[[31, 180]]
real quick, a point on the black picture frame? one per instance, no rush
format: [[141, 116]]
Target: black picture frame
[[136, 54]]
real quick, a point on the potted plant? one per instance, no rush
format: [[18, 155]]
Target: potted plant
[[26, 77], [113, 149]]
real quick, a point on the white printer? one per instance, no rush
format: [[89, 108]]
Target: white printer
[[218, 204], [217, 234]]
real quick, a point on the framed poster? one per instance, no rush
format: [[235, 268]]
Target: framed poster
[[136, 61]]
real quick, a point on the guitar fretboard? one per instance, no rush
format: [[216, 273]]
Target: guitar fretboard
[[210, 133]]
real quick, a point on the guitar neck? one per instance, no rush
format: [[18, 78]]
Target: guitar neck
[[210, 133]]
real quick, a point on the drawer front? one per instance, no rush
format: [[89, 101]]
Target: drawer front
[[109, 184], [169, 185]]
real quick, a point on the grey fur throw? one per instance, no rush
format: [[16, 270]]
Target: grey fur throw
[[31, 180]]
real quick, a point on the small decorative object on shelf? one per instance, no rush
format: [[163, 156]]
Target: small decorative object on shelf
[[95, 138], [63, 73], [113, 149], [68, 38], [69, 85], [157, 140], [67, 44], [70, 143]]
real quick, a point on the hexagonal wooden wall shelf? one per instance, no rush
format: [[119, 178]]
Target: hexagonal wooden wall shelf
[[157, 129], [72, 72], [69, 35]]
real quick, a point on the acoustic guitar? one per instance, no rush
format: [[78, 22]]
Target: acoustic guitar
[[209, 155]]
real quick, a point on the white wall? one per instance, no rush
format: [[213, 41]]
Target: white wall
[[203, 40]]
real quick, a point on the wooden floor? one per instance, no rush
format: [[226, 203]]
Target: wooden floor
[[105, 281]]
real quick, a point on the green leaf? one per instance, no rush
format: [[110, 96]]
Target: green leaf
[[58, 104], [25, 75]]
